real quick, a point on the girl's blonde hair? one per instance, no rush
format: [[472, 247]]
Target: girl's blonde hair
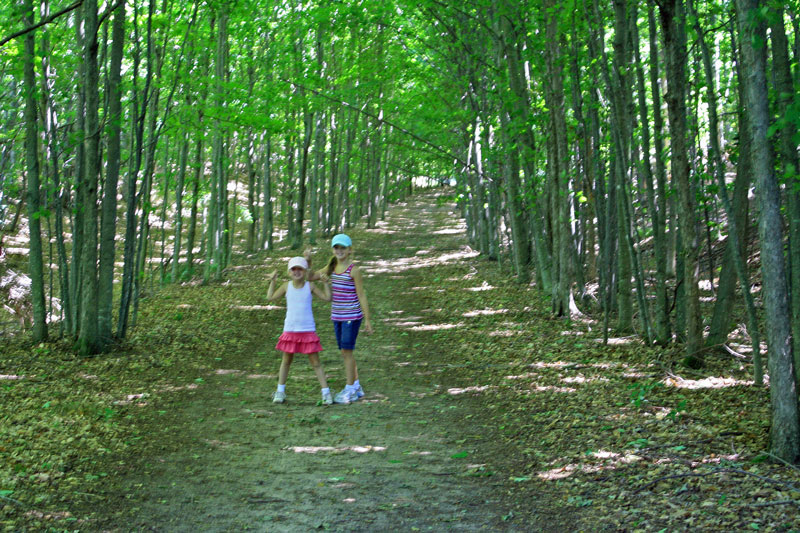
[[332, 262]]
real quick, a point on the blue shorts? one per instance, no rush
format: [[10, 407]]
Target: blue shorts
[[346, 333]]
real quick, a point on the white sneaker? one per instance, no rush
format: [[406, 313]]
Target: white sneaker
[[359, 393], [327, 399], [344, 396], [278, 397]]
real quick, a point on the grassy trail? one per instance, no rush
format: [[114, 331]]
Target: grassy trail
[[482, 413], [407, 456]]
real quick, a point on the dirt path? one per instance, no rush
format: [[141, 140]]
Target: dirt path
[[409, 456]]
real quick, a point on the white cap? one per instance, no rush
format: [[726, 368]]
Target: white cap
[[298, 262]]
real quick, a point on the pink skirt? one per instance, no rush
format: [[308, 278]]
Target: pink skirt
[[299, 342]]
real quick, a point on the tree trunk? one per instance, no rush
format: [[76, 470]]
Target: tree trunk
[[785, 91], [267, 216], [167, 177], [135, 163], [736, 220], [78, 179], [663, 328], [661, 323], [179, 188], [317, 176], [308, 129], [36, 264], [785, 428], [673, 21], [152, 94], [215, 224], [190, 237], [108, 229], [59, 197], [525, 145], [249, 159], [563, 246], [88, 338]]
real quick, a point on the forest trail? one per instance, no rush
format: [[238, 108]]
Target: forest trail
[[482, 412], [410, 456]]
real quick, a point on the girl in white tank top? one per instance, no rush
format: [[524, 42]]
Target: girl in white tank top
[[299, 331]]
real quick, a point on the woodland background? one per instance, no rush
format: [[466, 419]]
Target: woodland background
[[635, 161]]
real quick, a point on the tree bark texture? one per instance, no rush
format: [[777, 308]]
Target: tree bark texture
[[785, 429]]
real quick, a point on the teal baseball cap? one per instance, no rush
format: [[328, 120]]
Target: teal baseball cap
[[342, 240]]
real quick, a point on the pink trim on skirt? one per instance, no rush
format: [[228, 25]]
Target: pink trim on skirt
[[299, 342]]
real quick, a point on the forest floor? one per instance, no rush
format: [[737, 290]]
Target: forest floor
[[482, 413]]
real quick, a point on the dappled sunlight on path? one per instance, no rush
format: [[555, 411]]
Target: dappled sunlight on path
[[301, 466], [482, 412]]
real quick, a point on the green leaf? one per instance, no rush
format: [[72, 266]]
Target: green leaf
[[459, 455]]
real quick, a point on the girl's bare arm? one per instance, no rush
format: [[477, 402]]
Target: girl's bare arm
[[273, 294], [362, 298], [312, 275], [322, 291]]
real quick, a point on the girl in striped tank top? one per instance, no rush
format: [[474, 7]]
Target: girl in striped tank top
[[349, 308]]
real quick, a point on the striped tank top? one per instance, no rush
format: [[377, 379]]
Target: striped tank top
[[344, 300]]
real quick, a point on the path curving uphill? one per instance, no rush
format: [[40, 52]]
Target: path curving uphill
[[410, 456]]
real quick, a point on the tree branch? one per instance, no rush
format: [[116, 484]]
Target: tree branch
[[42, 22]]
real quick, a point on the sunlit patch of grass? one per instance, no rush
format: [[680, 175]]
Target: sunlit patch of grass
[[462, 390], [436, 327], [335, 449], [552, 388], [404, 322], [484, 312], [551, 364], [504, 333], [256, 307], [583, 379], [611, 460], [710, 382], [396, 265], [524, 376], [482, 287], [227, 371], [621, 341]]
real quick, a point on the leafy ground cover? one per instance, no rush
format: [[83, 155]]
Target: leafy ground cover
[[482, 413]]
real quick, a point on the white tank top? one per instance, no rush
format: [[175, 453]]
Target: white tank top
[[298, 309]]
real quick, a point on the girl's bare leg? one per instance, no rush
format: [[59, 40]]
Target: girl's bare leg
[[313, 358], [350, 370], [286, 362]]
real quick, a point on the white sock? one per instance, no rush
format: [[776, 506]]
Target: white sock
[[326, 390], [356, 385], [281, 388], [350, 387]]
